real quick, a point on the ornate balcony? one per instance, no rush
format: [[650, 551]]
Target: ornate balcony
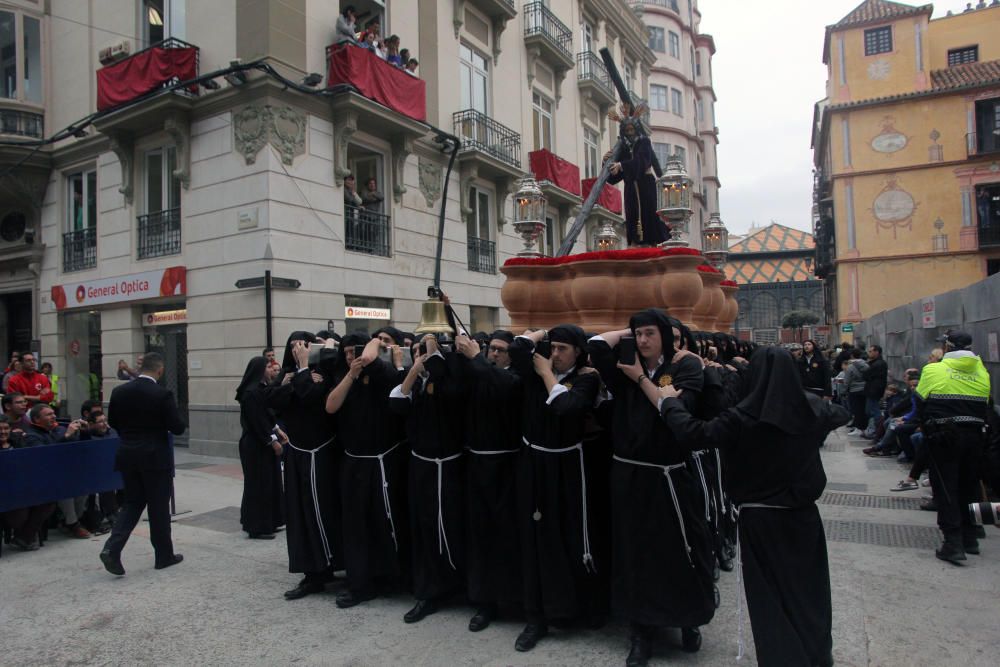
[[159, 233], [80, 249], [482, 255], [22, 123], [547, 35], [491, 151], [145, 72], [367, 231], [593, 79], [982, 144]]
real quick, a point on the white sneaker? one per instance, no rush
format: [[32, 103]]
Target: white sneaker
[[853, 432]]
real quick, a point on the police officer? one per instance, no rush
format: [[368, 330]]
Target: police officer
[[952, 400]]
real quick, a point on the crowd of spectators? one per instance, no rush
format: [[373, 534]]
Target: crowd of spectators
[[370, 38]]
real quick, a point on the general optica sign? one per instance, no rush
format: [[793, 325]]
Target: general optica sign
[[133, 287]]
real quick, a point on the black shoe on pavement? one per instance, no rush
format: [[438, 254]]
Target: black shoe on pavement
[[24, 545], [971, 546], [484, 616], [112, 563], [260, 536], [176, 558], [929, 505], [980, 532], [951, 553], [690, 639], [530, 635], [421, 610], [641, 650], [347, 598], [306, 587]]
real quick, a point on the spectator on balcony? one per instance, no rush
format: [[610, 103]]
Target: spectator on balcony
[[983, 207], [372, 199], [392, 51], [351, 196], [404, 58], [30, 382], [344, 33], [635, 167], [411, 67]]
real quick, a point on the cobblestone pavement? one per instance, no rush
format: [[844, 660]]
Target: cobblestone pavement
[[894, 602]]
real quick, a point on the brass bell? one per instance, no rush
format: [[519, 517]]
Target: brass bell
[[434, 318]]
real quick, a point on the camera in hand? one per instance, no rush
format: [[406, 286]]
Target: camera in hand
[[626, 350], [544, 348], [985, 514], [358, 350]]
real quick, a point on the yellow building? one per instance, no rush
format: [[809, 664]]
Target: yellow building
[[907, 154]]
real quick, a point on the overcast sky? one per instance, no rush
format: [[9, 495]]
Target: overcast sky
[[768, 72]]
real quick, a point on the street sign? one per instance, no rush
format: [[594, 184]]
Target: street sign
[[847, 327], [246, 283], [280, 283]]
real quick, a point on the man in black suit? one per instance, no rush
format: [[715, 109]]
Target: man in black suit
[[143, 412]]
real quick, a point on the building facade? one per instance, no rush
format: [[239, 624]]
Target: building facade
[[772, 266], [131, 235], [682, 100], [906, 148]]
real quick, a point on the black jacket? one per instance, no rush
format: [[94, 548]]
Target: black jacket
[[143, 412], [876, 378], [815, 373]]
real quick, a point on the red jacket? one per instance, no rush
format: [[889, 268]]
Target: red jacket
[[31, 384]]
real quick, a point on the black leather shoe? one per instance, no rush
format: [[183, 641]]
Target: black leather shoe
[[691, 639], [176, 558], [261, 536], [980, 532], [305, 587], [530, 635], [348, 598], [726, 564], [641, 651], [112, 563], [421, 610], [484, 616], [950, 553], [971, 547], [929, 505]]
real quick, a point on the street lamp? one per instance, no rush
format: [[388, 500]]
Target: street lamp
[[674, 201], [715, 242], [529, 215]]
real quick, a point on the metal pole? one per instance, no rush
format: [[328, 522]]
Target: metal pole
[[267, 307], [455, 145]]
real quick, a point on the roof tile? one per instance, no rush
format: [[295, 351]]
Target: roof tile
[[965, 75], [873, 11]]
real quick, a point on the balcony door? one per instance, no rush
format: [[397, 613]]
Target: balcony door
[[474, 79], [988, 126], [481, 249], [80, 237], [160, 226], [161, 19]]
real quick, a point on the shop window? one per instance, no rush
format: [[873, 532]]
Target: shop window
[[372, 313], [81, 377]]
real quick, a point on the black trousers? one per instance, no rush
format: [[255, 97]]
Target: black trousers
[[857, 404], [955, 457], [145, 489]]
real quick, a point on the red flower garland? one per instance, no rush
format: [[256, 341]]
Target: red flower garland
[[631, 254], [728, 283], [705, 268]]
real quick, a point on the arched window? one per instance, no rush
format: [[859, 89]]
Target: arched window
[[764, 312]]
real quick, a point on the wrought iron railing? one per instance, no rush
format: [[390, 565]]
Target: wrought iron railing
[[989, 234], [80, 249], [480, 132], [669, 4], [591, 68], [482, 255], [22, 123], [160, 233], [539, 20], [986, 143], [366, 231]]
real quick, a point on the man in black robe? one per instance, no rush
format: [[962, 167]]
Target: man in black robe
[[643, 226], [559, 569], [262, 510], [662, 555], [493, 441], [770, 448], [429, 398], [312, 501], [373, 469]]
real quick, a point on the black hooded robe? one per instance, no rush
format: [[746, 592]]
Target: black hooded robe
[[312, 460], [262, 509], [642, 225], [373, 480], [558, 568], [493, 436], [656, 581], [435, 484], [770, 447]]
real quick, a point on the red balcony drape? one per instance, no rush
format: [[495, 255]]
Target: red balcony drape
[[142, 73], [378, 80], [610, 197], [547, 166]]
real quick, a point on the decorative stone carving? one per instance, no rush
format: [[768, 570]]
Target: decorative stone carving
[[533, 55], [282, 127], [342, 133], [499, 25], [178, 129], [431, 180], [123, 146], [505, 187], [401, 149], [469, 173]]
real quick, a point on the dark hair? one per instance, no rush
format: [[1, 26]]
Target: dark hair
[[44, 364], [36, 410], [8, 399], [88, 406], [855, 353], [266, 350], [349, 9], [4, 419], [877, 348], [151, 361], [412, 61]]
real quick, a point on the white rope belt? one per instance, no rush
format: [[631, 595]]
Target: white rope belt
[[491, 452], [385, 485], [673, 495], [312, 481], [588, 558], [696, 457], [442, 535], [718, 473], [740, 631]]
